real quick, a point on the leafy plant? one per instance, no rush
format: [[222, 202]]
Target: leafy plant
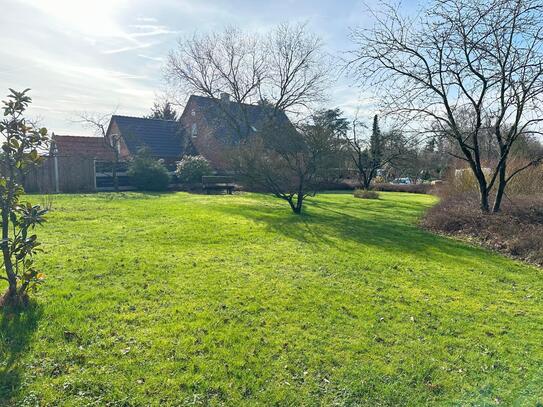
[[147, 173], [22, 141], [191, 169]]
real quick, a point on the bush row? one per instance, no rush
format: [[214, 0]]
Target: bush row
[[148, 174], [365, 194], [517, 230], [414, 188]]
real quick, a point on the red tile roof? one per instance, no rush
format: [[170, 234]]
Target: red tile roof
[[81, 146]]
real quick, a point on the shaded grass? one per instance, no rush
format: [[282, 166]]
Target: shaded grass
[[178, 299]]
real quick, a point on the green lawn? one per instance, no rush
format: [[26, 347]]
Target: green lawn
[[181, 299]]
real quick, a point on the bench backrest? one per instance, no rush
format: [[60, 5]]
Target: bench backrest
[[217, 179]]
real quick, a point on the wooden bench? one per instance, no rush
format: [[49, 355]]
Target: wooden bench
[[218, 182]]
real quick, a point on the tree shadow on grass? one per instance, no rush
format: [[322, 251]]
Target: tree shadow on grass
[[16, 330], [386, 225]]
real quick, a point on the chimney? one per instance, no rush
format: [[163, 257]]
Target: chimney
[[225, 97]]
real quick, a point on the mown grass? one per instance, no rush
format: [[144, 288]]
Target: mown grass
[[181, 299]]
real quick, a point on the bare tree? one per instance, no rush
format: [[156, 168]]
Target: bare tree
[[296, 68], [284, 69], [213, 64], [480, 59], [372, 153], [286, 161], [99, 124]]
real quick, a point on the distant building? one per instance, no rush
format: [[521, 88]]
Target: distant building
[[80, 146], [163, 138]]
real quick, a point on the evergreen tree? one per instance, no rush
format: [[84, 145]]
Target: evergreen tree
[[332, 120], [163, 111], [376, 147], [431, 145]]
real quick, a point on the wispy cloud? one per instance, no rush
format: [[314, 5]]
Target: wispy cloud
[[127, 48], [147, 30], [83, 55], [153, 33], [147, 19], [151, 58]]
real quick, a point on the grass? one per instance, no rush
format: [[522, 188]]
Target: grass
[[181, 299]]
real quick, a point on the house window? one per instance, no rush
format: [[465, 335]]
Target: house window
[[194, 130]]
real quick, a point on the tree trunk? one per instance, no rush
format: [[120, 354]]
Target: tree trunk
[[114, 171], [299, 203], [364, 180], [8, 265], [296, 206], [502, 182], [292, 205], [115, 179], [483, 193]]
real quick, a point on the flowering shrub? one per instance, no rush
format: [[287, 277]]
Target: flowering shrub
[[191, 169]]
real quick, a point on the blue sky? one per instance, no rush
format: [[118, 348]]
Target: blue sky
[[99, 55]]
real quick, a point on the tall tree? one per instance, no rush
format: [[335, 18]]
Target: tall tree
[[285, 69], [470, 68], [336, 127], [332, 120], [376, 144]]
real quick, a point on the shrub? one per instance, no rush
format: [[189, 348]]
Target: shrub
[[462, 182], [191, 169], [413, 188], [528, 182], [148, 174], [516, 230], [365, 194], [21, 143]]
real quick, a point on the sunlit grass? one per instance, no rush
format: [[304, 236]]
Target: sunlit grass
[[181, 299]]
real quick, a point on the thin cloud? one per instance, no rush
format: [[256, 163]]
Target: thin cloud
[[128, 48], [150, 58], [152, 33], [147, 19]]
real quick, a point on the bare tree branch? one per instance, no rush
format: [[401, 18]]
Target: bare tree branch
[[473, 67]]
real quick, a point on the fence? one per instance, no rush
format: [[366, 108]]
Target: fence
[[78, 174], [104, 176], [75, 174]]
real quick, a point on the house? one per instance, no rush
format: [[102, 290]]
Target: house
[[210, 125], [163, 138], [207, 127]]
